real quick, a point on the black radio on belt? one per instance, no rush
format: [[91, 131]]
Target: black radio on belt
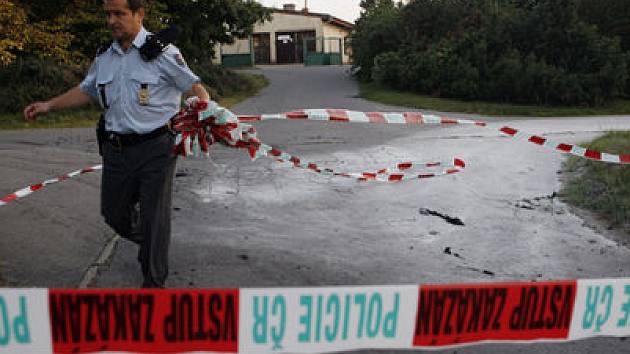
[[101, 87], [101, 134]]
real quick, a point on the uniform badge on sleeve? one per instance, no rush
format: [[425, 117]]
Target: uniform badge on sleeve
[[180, 59]]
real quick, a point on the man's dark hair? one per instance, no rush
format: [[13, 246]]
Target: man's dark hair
[[134, 5]]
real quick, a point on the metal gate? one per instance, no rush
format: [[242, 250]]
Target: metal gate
[[323, 51]]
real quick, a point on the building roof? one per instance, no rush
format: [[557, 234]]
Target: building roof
[[325, 17]]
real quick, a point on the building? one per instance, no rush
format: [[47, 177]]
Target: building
[[292, 36]]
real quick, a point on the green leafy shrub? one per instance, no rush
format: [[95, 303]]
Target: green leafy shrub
[[388, 68], [538, 52], [32, 79], [460, 79]]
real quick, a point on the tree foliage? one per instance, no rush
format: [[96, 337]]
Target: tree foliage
[[376, 31], [19, 35], [523, 51], [612, 18], [204, 23], [46, 45], [72, 30]]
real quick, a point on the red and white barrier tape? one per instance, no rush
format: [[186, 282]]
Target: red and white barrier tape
[[198, 125], [199, 128], [568, 148], [342, 115], [314, 319], [35, 187], [400, 172], [411, 118]]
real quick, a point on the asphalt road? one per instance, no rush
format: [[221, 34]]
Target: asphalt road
[[238, 223]]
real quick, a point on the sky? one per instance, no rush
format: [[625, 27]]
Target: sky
[[344, 9]]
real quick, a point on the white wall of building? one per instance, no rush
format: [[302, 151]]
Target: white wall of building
[[286, 22], [336, 32], [240, 46]]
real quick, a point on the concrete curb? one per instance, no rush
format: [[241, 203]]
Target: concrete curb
[[103, 260]]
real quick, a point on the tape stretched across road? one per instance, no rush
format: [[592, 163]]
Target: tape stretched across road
[[232, 130], [411, 118], [310, 320], [35, 187]]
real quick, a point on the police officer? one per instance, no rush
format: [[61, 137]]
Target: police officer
[[139, 95]]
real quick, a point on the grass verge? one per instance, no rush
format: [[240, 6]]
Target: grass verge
[[601, 187], [375, 92], [87, 117], [257, 83]]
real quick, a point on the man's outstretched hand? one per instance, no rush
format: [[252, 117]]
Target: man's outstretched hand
[[35, 109]]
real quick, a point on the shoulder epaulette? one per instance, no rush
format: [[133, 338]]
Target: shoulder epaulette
[[157, 43], [103, 48]]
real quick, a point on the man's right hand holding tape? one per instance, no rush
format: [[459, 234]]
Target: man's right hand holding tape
[[193, 127], [203, 122]]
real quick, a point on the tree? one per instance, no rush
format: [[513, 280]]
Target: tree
[[376, 31], [204, 23], [84, 22], [428, 21], [20, 36], [79, 25], [525, 51], [612, 18]]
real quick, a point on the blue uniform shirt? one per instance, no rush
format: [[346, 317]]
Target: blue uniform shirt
[[124, 75]]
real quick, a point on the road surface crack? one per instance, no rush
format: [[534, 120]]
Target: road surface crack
[[546, 203], [449, 251], [447, 218]]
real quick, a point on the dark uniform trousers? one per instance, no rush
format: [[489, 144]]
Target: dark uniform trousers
[[141, 175]]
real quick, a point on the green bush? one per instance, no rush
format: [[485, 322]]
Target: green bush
[[511, 77], [388, 68], [30, 79], [536, 75], [540, 52], [460, 79], [377, 31], [422, 72], [432, 71], [505, 75]]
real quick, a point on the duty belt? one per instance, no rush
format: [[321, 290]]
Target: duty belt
[[121, 140]]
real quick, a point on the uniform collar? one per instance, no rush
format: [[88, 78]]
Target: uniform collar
[[141, 37]]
